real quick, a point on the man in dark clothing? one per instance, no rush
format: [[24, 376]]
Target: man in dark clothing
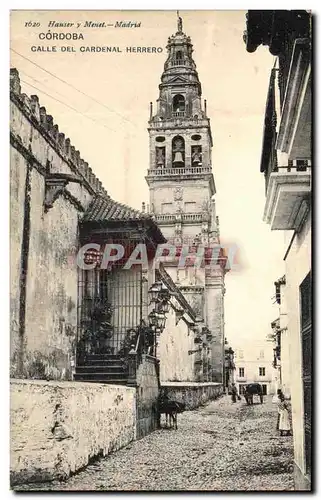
[[234, 393]]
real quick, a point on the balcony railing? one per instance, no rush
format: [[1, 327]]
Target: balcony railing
[[175, 122], [179, 62], [184, 217], [162, 172], [179, 114]]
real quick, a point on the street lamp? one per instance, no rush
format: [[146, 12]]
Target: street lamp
[[157, 320], [154, 291], [159, 292], [163, 307]]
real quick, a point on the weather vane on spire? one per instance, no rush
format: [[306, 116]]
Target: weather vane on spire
[[179, 23]]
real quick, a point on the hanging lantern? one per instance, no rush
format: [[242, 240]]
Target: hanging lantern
[[161, 321], [164, 293], [152, 317], [165, 307], [154, 291]]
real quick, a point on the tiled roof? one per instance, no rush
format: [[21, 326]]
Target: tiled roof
[[103, 208]]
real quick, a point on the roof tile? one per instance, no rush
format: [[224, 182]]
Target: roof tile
[[103, 208]]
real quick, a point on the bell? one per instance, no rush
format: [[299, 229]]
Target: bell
[[196, 157], [178, 158]]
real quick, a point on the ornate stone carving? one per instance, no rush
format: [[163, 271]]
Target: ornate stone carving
[[53, 188], [206, 207], [55, 185], [178, 193], [197, 306]]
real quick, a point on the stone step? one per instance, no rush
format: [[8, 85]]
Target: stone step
[[100, 376], [102, 362], [97, 368], [103, 356]]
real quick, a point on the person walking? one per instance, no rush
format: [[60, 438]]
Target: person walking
[[234, 393], [283, 416]]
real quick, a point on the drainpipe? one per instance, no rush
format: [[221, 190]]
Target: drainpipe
[[24, 269]]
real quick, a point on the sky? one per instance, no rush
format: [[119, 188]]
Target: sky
[[112, 136]]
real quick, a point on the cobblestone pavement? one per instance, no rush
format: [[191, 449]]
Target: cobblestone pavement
[[221, 446]]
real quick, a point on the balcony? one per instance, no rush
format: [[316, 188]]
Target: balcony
[[171, 218], [178, 122], [294, 135], [186, 171], [287, 198]]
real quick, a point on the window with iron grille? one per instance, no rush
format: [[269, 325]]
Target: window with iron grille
[[301, 165], [262, 371], [241, 372], [112, 303]]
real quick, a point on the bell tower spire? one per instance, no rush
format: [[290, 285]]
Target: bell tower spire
[[180, 174]]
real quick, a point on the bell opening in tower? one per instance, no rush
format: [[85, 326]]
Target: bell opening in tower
[[196, 155], [179, 58], [160, 156], [178, 151], [178, 105]]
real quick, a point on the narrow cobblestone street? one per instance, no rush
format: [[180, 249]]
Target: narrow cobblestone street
[[221, 446]]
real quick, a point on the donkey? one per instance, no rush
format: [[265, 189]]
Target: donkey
[[171, 409]]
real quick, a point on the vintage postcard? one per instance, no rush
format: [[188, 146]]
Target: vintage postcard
[[160, 250]]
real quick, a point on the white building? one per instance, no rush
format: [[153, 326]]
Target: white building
[[287, 167], [254, 363]]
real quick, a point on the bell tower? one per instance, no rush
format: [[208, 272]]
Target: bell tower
[[181, 183], [180, 140]]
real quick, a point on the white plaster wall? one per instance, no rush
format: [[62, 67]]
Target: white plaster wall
[[176, 364], [285, 346], [51, 312], [56, 427], [298, 265]]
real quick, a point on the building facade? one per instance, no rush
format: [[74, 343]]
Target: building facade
[[182, 189], [286, 163], [254, 364]]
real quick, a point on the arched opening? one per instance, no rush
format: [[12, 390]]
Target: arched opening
[[179, 57], [178, 151], [196, 155], [178, 105]]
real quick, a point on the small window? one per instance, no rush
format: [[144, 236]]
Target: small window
[[262, 371], [190, 207], [241, 372], [301, 165]]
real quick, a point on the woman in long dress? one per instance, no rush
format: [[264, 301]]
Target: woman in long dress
[[284, 419]]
